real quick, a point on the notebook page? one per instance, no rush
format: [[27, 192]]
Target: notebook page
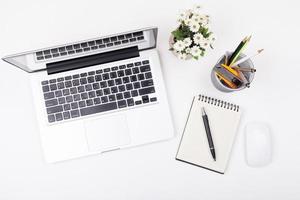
[[194, 146]]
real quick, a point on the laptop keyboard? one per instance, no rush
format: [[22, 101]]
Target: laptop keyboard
[[92, 45], [112, 88]]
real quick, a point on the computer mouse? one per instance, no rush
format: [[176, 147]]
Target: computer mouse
[[258, 144]]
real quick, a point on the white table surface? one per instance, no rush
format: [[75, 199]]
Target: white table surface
[[151, 172]]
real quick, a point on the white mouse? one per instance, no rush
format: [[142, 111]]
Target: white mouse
[[258, 144]]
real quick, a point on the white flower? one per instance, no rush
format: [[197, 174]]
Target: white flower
[[195, 51], [196, 8], [205, 44], [194, 27], [211, 38], [182, 16], [187, 42], [187, 21], [198, 38], [188, 50], [179, 45], [182, 56], [203, 19]]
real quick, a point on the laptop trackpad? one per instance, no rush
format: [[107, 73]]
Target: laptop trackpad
[[107, 133]]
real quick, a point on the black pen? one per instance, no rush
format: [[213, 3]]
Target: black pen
[[208, 134]]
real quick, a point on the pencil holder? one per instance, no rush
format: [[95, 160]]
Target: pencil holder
[[247, 74]]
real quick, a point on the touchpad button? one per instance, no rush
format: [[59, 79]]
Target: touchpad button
[[107, 133]]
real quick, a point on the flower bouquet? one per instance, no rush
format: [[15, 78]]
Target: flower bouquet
[[192, 37]]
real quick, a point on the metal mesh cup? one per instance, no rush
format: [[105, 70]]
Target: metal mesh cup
[[220, 86]]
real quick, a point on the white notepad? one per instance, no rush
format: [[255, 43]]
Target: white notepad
[[223, 119]]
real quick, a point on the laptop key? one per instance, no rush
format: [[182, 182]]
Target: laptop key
[[51, 118], [140, 38], [121, 88], [106, 91], [46, 88], [135, 70], [73, 90], [148, 90], [111, 83], [127, 95], [141, 77], [148, 75], [96, 86], [89, 102], [121, 73], [54, 109], [74, 105], [147, 83], [134, 93], [112, 97], [126, 80], [58, 116], [61, 85], [61, 100], [97, 101], [66, 115], [75, 113], [48, 95], [153, 99], [104, 99], [51, 102], [114, 90], [69, 98], [76, 97], [68, 84], [130, 102], [91, 79], [122, 104], [83, 81], [81, 104], [99, 93], [98, 78], [80, 89], [88, 87], [58, 93], [45, 82], [66, 92], [75, 82], [129, 86], [145, 62], [84, 96], [67, 107], [98, 108], [136, 85], [138, 102], [145, 68], [119, 96], [53, 87], [133, 78], [145, 99]]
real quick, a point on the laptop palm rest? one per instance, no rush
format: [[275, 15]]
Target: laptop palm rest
[[107, 133]]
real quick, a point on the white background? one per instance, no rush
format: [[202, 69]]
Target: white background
[[151, 172]]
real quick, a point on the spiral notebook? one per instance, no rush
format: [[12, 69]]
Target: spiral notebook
[[223, 119]]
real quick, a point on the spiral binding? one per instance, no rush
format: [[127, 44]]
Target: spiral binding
[[219, 103]]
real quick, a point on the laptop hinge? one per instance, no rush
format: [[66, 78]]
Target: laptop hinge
[[91, 60]]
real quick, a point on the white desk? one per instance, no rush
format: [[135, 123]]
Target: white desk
[[151, 172]]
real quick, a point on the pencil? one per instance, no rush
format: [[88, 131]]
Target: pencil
[[244, 69], [238, 50], [247, 58]]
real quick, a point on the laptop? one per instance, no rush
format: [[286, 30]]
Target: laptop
[[98, 95]]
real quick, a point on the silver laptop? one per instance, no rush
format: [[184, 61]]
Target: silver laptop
[[98, 95]]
